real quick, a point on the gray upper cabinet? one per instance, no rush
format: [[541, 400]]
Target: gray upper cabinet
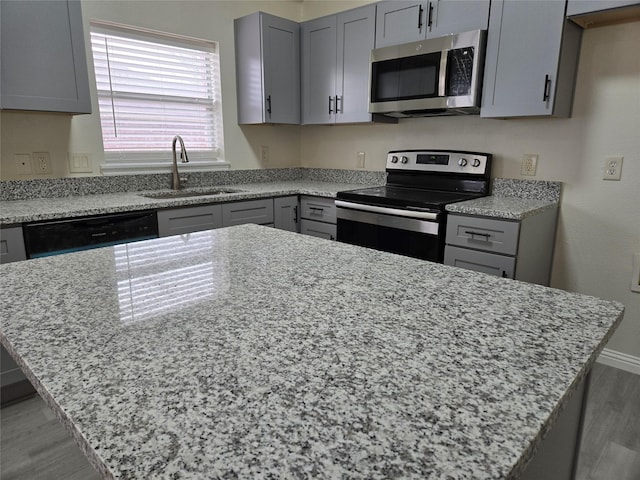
[[531, 60], [400, 22], [335, 67], [581, 7], [270, 94], [43, 65]]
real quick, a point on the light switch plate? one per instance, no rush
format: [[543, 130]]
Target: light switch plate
[[79, 163]]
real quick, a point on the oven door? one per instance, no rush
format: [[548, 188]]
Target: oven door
[[418, 234]]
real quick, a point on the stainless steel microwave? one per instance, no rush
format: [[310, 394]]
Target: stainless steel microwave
[[438, 76]]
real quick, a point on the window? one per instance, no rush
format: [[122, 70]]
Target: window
[[151, 87]]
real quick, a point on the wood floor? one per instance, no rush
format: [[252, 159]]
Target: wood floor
[[34, 446]]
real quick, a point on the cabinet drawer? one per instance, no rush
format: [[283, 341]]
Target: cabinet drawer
[[12, 245], [318, 229], [498, 236], [186, 220], [318, 208], [491, 263], [254, 211]]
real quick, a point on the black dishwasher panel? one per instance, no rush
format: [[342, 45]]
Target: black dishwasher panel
[[43, 239]]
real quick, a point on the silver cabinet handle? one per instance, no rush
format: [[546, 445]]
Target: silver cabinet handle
[[330, 105], [547, 85], [339, 106], [269, 105], [295, 214], [479, 234]]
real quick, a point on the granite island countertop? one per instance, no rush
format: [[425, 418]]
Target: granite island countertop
[[248, 352], [39, 209]]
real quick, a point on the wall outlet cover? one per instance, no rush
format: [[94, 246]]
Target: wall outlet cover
[[612, 168], [23, 163], [41, 162], [529, 164], [80, 163]]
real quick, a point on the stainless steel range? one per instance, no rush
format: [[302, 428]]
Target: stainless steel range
[[407, 215]]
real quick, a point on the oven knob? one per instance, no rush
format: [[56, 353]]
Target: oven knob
[[462, 162], [405, 160], [394, 159], [476, 162]]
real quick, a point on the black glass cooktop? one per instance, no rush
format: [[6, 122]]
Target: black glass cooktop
[[393, 196]]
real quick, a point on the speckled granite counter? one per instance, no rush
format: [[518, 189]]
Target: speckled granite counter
[[512, 199], [37, 209], [238, 353]]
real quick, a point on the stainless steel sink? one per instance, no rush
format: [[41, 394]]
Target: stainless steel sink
[[189, 193]]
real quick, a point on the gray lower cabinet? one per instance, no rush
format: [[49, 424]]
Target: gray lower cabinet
[[12, 245], [267, 69], [521, 250], [44, 66], [318, 217], [176, 221], [253, 211], [531, 60], [286, 213]]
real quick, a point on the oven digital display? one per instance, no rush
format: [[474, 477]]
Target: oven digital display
[[431, 159]]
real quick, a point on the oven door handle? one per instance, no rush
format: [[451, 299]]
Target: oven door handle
[[388, 211]]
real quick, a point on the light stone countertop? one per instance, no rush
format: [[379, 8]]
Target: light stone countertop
[[249, 352], [39, 209], [510, 208]]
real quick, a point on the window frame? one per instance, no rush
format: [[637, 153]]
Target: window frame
[[118, 162]]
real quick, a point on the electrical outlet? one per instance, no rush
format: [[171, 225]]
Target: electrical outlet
[[612, 168], [23, 163], [264, 154], [529, 164], [360, 160], [41, 162]]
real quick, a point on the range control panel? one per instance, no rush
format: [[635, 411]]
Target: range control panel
[[439, 161]]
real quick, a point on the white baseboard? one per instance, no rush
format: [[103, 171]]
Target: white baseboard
[[620, 360]]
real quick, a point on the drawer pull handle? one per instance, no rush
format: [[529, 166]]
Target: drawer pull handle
[[316, 209], [479, 234]]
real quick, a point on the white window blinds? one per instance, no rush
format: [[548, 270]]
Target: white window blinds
[[153, 86]]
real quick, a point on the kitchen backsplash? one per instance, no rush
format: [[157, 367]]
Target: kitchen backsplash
[[64, 187], [532, 189]]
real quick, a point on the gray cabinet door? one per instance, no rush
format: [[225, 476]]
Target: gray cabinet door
[[253, 211], [177, 221], [455, 16], [491, 263], [523, 71], [579, 7], [400, 22], [318, 229], [319, 70], [44, 67], [286, 213], [281, 58], [356, 37], [12, 245], [267, 69]]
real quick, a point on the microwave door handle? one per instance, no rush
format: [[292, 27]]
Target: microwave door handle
[[443, 73]]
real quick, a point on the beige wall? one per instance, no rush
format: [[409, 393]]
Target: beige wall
[[599, 226]]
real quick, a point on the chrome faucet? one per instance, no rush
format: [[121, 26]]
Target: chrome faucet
[[175, 178]]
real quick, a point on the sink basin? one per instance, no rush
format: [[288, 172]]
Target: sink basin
[[188, 193]]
